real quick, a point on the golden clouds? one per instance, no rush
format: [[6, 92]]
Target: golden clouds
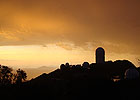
[[34, 22]]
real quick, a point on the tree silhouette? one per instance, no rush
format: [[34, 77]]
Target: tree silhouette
[[20, 76], [6, 75]]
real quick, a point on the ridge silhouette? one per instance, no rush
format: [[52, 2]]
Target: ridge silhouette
[[86, 81]]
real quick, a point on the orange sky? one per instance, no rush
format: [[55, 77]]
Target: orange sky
[[35, 33]]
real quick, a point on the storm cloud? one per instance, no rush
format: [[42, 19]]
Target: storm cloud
[[114, 24]]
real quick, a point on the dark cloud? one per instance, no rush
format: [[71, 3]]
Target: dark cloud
[[114, 24]]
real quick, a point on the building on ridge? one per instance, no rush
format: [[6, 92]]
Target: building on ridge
[[100, 55]]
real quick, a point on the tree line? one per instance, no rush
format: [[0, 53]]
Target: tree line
[[7, 77]]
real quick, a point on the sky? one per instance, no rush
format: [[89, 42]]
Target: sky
[[35, 33]]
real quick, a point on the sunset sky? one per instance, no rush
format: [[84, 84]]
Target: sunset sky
[[36, 33]]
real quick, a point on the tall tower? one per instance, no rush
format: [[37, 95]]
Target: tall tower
[[100, 55]]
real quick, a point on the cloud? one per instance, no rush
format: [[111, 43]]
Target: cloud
[[114, 24]]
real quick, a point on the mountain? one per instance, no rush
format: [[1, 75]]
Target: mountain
[[87, 83], [74, 83], [35, 72]]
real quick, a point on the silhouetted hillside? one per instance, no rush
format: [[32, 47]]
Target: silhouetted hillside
[[34, 72], [74, 82]]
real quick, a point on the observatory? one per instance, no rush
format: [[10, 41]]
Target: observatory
[[85, 65], [100, 55], [131, 73]]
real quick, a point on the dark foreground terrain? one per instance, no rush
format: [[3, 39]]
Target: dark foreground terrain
[[75, 84]]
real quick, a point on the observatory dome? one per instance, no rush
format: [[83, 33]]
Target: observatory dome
[[131, 73], [100, 49], [100, 55], [85, 65]]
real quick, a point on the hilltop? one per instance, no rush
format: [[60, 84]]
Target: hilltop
[[94, 81], [87, 81]]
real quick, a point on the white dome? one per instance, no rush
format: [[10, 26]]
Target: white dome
[[131, 73]]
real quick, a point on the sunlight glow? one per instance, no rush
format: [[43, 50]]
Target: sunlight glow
[[33, 56]]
